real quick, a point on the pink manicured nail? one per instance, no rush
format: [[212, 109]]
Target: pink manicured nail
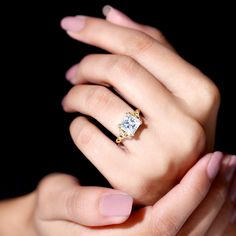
[[73, 24], [232, 192], [214, 165], [230, 168], [71, 73], [116, 205], [108, 9], [233, 217]]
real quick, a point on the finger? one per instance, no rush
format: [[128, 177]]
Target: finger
[[98, 102], [172, 211], [226, 218], [98, 148], [117, 17], [202, 219], [231, 228], [169, 214], [176, 74], [129, 79], [61, 198]]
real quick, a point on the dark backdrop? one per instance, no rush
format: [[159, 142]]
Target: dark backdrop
[[34, 130]]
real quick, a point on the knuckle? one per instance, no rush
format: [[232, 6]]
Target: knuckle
[[139, 43], [71, 205], [196, 138], [163, 225], [157, 34], [98, 97], [123, 65], [87, 59], [145, 190], [44, 190], [45, 185], [211, 96], [215, 96]]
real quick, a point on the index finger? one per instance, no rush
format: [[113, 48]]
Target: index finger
[[174, 72]]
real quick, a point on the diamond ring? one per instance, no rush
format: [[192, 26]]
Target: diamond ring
[[129, 125]]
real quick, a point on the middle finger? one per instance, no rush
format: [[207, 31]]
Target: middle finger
[[135, 84], [98, 102]]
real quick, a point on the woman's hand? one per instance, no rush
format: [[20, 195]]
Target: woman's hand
[[179, 105], [198, 205]]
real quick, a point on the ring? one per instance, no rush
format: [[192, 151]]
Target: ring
[[129, 125]]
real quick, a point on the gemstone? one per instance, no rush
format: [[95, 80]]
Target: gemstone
[[130, 124]]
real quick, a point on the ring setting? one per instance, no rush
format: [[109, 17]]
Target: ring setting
[[129, 125]]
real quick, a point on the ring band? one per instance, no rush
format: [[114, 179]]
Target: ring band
[[129, 125]]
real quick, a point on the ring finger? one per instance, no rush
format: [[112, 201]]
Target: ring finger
[[98, 102]]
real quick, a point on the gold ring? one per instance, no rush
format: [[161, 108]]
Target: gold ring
[[129, 125]]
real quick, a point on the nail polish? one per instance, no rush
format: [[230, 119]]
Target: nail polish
[[106, 9], [118, 15], [230, 169], [73, 23], [116, 205], [214, 165]]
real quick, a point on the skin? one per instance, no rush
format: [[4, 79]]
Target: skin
[[204, 197], [179, 105], [57, 207]]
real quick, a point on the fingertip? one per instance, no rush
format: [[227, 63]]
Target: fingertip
[[64, 22], [106, 9], [214, 164], [73, 23], [116, 16], [71, 73]]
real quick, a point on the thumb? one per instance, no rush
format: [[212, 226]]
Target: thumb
[[60, 197], [172, 211], [119, 18]]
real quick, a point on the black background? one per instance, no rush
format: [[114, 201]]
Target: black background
[[34, 129]]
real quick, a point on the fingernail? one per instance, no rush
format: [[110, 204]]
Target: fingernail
[[116, 205], [233, 217], [214, 165], [109, 9], [232, 192], [73, 24], [106, 9], [230, 168], [71, 73]]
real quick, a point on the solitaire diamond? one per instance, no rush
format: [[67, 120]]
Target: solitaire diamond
[[130, 124]]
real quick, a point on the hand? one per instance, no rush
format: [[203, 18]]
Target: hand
[[198, 205], [179, 105]]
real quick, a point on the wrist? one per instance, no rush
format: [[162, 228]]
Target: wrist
[[16, 216]]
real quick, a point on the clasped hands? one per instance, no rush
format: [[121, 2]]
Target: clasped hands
[[158, 170]]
